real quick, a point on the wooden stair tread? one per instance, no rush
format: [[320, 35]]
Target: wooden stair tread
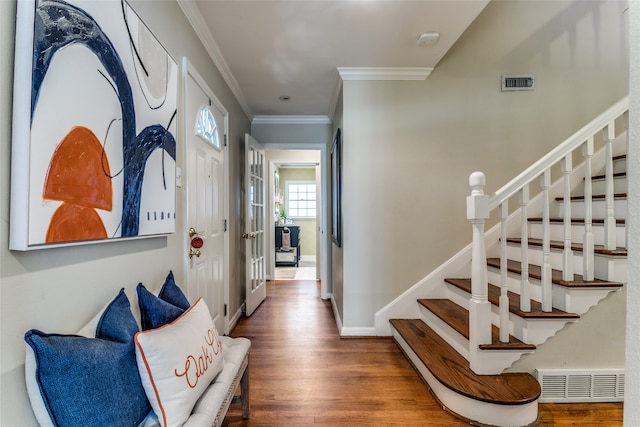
[[452, 370], [514, 302], [556, 244], [593, 197], [556, 275], [458, 318], [598, 221]]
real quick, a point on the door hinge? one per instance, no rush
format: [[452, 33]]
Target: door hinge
[[225, 310], [225, 225], [225, 139]]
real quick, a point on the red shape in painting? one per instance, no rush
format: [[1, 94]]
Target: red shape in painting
[[72, 222], [79, 176]]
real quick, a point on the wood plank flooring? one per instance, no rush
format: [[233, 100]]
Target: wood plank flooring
[[303, 374]]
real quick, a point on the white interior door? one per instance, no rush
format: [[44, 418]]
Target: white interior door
[[254, 235], [206, 186]]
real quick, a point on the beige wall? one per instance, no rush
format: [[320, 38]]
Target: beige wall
[[61, 289], [409, 147]]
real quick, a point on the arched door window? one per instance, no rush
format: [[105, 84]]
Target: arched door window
[[207, 128]]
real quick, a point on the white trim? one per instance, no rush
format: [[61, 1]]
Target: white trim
[[384, 73], [194, 16], [335, 94], [358, 331], [336, 314], [291, 120]]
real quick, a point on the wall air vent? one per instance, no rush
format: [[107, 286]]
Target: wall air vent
[[517, 83], [581, 385]]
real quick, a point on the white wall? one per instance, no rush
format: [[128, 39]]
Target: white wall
[[61, 289], [632, 368], [409, 147]]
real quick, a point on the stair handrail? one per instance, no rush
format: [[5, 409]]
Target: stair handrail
[[558, 153], [480, 205]]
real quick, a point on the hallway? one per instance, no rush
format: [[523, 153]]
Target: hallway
[[302, 373]]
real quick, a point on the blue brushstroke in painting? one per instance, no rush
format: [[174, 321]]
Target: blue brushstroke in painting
[[58, 24]]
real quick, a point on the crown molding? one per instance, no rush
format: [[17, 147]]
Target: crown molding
[[291, 120], [384, 73], [190, 10]]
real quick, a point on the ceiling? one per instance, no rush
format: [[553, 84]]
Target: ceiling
[[304, 49]]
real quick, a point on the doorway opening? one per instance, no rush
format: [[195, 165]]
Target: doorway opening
[[296, 214]]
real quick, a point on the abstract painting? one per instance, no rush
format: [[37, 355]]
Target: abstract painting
[[93, 150]]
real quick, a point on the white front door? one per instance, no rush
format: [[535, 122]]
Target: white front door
[[255, 223], [205, 127]]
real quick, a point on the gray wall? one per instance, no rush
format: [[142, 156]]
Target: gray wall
[[61, 289], [409, 147]]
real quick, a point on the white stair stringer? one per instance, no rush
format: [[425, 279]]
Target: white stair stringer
[[571, 300], [466, 407]]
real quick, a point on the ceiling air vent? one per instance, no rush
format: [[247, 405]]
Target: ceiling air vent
[[517, 83]]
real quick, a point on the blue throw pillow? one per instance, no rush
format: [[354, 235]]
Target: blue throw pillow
[[171, 293], [156, 311], [92, 381]]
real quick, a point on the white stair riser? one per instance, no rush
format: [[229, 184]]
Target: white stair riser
[[599, 209], [535, 256], [450, 335], [471, 409], [620, 165], [605, 267], [556, 232], [599, 186], [496, 361]]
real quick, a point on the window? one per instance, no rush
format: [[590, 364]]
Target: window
[[206, 127], [301, 199]]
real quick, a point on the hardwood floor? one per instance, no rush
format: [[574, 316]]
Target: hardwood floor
[[302, 373]]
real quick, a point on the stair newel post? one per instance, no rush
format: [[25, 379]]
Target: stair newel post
[[479, 306], [567, 253], [547, 300], [588, 245], [504, 299], [610, 219], [525, 294]]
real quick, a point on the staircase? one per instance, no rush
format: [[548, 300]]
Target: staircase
[[549, 260]]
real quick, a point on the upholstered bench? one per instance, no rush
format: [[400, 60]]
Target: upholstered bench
[[160, 362], [214, 403]]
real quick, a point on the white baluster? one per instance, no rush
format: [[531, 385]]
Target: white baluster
[[525, 294], [504, 298], [479, 306], [545, 183], [610, 220], [567, 253], [587, 250]]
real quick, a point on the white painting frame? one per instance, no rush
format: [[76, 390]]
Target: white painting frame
[[94, 125]]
